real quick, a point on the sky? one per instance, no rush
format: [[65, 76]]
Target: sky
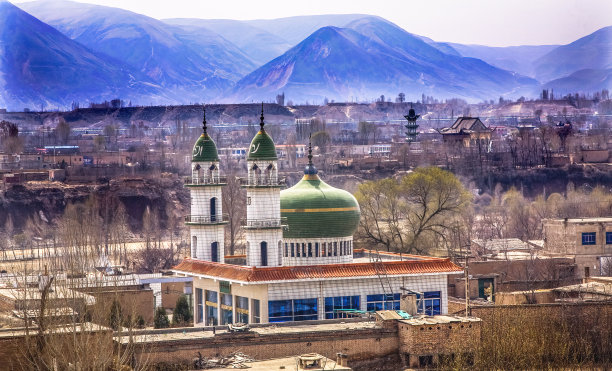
[[485, 22]]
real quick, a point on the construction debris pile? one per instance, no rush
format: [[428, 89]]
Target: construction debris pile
[[235, 360]]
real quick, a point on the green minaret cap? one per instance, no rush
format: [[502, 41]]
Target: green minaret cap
[[262, 146], [205, 149]]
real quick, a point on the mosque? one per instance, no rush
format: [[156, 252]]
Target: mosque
[[300, 261]]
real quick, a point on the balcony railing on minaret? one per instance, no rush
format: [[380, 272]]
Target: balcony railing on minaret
[[207, 219], [205, 180], [262, 181], [264, 223]]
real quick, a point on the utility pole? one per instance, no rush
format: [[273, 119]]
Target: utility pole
[[467, 287]]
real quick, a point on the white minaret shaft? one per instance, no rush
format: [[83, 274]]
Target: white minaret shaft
[[263, 225], [206, 220]]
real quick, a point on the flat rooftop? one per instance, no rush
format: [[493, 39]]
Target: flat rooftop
[[582, 220], [289, 363], [436, 320], [268, 329]]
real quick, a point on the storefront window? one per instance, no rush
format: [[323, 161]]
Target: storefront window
[[255, 307], [199, 306], [226, 309], [212, 317], [383, 302], [292, 310], [242, 309], [335, 305], [430, 304]]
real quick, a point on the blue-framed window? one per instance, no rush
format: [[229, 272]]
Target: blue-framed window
[[430, 304], [588, 238], [292, 310], [608, 238], [382, 302], [332, 304]]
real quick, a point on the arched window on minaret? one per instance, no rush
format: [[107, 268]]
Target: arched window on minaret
[[197, 174], [214, 251], [194, 246], [213, 173], [268, 174], [263, 250], [256, 173], [213, 209]]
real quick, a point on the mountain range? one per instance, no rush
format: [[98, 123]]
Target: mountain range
[[67, 51], [370, 57], [40, 66]]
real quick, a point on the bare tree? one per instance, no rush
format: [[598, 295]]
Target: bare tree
[[234, 204]]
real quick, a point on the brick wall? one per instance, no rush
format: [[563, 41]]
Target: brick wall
[[170, 292], [440, 338], [360, 344], [133, 302]]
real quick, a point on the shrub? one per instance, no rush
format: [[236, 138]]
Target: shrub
[[182, 312], [161, 318]]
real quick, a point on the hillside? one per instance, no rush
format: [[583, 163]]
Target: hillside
[[41, 67], [177, 62], [260, 45], [587, 80], [593, 51]]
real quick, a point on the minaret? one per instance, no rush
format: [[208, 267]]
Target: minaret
[[207, 220], [263, 225]]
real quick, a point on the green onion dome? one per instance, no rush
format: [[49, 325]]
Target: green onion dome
[[205, 149], [262, 146], [315, 209]]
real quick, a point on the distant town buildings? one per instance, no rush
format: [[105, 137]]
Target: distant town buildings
[[587, 240]]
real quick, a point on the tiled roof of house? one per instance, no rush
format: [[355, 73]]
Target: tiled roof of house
[[229, 272], [465, 125]]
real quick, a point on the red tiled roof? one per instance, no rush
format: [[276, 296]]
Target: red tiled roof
[[328, 271]]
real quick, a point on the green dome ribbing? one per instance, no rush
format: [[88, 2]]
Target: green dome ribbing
[[315, 209]]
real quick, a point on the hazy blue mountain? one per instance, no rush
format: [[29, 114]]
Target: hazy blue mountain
[[593, 51], [512, 58], [144, 43], [296, 29], [39, 66], [441, 46], [260, 45], [369, 58], [587, 80], [265, 39], [216, 50]]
